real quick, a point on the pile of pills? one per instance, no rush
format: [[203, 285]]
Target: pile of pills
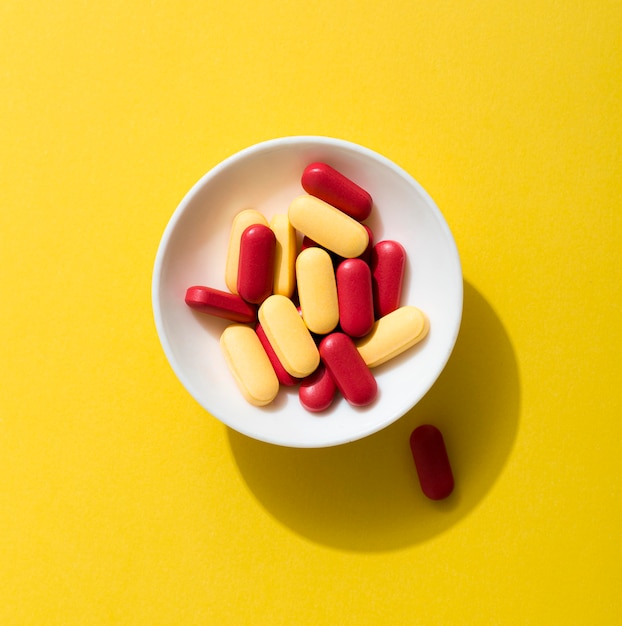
[[320, 317]]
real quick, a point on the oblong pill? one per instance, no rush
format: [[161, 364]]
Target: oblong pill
[[256, 263], [347, 368], [325, 182], [285, 378], [240, 223], [317, 290], [288, 335], [285, 255], [220, 304], [317, 391], [249, 364], [393, 334], [328, 226], [355, 297], [388, 262], [431, 461]]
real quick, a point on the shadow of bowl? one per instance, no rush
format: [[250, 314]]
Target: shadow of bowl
[[365, 495]]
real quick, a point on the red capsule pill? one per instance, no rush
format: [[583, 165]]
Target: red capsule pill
[[388, 264], [317, 391], [355, 297], [220, 304], [285, 378], [256, 263], [432, 463], [347, 368], [327, 184]]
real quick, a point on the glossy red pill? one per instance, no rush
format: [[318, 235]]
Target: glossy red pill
[[355, 297], [327, 184], [220, 304], [285, 378], [256, 263], [347, 368], [432, 463], [388, 263], [317, 391]]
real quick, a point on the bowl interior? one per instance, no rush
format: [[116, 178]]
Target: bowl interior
[[267, 177]]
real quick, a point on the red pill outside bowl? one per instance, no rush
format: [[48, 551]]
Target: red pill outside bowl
[[431, 461]]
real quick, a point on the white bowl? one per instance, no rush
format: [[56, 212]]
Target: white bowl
[[266, 177]]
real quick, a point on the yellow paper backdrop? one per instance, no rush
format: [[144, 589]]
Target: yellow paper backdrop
[[123, 502]]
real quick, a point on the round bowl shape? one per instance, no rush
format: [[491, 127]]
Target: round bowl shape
[[266, 177]]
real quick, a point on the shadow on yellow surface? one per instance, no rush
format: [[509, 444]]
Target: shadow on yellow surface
[[365, 495]]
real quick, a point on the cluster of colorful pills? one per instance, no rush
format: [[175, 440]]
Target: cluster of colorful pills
[[321, 315]]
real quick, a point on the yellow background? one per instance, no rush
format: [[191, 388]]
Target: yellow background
[[122, 502]]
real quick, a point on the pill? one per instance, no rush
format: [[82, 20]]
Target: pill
[[354, 294], [347, 368], [328, 184], [249, 364], [328, 226], [388, 262], [393, 334], [285, 255], [240, 223], [317, 290], [288, 335], [256, 263], [431, 461], [317, 391], [220, 304], [285, 378]]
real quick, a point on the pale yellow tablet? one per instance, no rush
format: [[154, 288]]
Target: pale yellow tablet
[[285, 257], [249, 364], [393, 334], [317, 290], [288, 335], [327, 226]]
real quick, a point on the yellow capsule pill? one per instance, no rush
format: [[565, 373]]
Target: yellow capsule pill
[[327, 226], [288, 335], [393, 334], [240, 223], [285, 255], [249, 364], [317, 290]]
